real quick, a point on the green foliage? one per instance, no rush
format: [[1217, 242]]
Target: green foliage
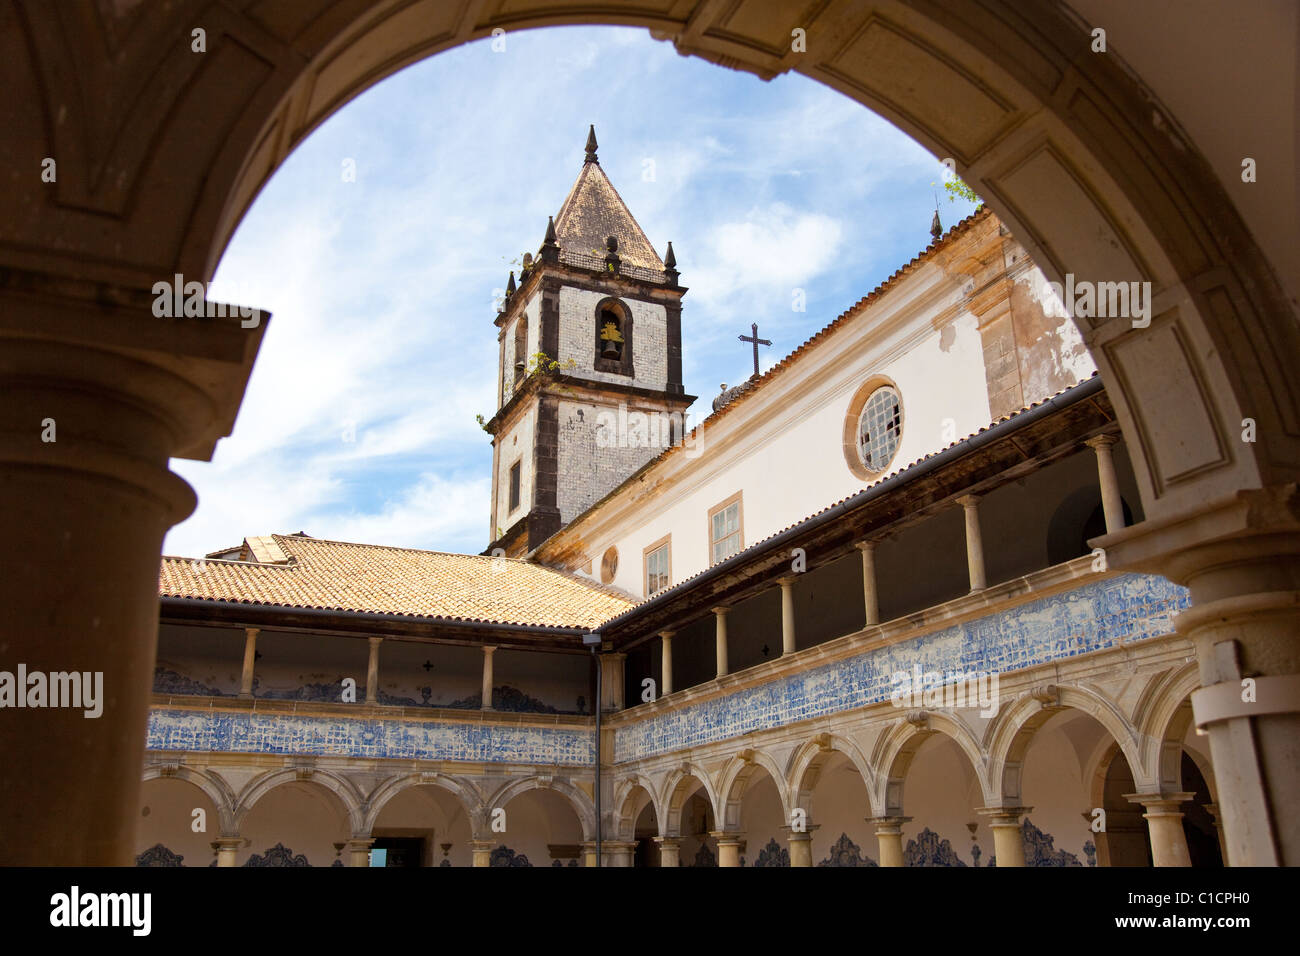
[[956, 189], [539, 363]]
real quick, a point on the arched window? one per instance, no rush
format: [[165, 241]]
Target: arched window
[[613, 337]]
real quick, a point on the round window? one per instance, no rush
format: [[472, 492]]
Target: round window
[[879, 429], [609, 566]]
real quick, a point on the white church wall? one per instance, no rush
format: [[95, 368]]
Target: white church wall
[[783, 449], [649, 338]]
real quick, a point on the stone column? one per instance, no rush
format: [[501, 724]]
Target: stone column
[[729, 846], [889, 837], [98, 395], [250, 660], [800, 845], [1111, 502], [1239, 557], [1008, 836], [869, 599], [974, 544], [620, 852], [372, 671], [589, 852], [787, 615], [227, 847], [482, 850], [1165, 825], [358, 850], [488, 651], [1213, 810], [720, 614], [612, 681], [667, 662], [670, 849]]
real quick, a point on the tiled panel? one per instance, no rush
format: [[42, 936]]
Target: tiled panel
[[171, 729], [1121, 609]]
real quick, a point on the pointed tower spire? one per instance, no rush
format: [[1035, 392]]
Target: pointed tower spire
[[936, 227], [591, 146], [510, 286]]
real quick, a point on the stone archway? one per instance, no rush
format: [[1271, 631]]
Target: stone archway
[[1073, 150], [943, 751], [831, 782]]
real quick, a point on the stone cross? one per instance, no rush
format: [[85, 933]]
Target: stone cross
[[757, 342]]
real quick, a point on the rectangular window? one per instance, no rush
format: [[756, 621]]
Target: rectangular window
[[725, 529], [514, 486], [658, 566]]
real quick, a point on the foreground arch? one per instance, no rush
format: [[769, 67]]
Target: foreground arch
[[1072, 149]]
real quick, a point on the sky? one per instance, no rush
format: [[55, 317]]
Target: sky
[[380, 244]]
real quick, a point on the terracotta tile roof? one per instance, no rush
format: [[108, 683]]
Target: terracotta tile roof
[[593, 210], [337, 575]]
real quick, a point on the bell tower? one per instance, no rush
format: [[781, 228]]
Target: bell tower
[[589, 384]]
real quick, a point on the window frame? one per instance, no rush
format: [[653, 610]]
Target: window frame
[[515, 486], [654, 547], [738, 500]]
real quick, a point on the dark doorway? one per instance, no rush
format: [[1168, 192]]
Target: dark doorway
[[402, 851]]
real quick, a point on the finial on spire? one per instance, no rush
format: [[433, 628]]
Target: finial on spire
[[550, 248], [936, 227], [670, 267], [591, 146]]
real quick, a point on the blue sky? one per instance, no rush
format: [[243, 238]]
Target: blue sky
[[358, 423]]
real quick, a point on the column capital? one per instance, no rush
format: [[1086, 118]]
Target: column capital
[[1102, 441], [787, 580], [888, 824], [968, 501], [667, 635], [252, 631], [375, 641], [1004, 816], [667, 841], [1161, 803], [229, 842], [728, 836], [721, 610], [489, 648], [868, 545], [805, 834]]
